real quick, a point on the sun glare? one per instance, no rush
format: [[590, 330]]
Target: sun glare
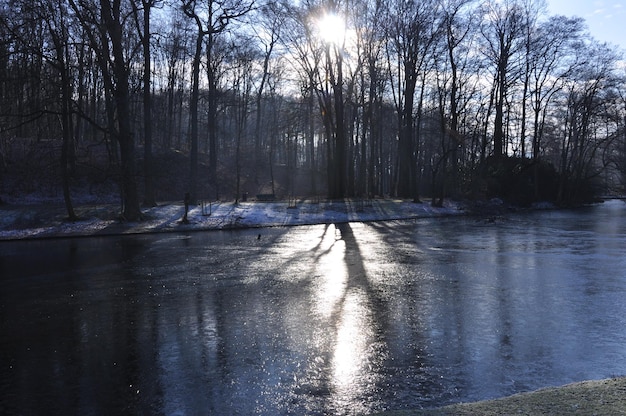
[[332, 28]]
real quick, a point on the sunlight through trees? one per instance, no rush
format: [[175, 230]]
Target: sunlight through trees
[[319, 98]]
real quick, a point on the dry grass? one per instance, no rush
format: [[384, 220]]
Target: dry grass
[[604, 397]]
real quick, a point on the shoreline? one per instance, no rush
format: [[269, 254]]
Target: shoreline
[[592, 397], [50, 221]]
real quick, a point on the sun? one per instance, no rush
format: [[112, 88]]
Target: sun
[[332, 28]]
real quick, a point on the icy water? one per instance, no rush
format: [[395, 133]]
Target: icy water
[[337, 319]]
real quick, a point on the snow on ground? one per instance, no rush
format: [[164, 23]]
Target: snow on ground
[[41, 222]]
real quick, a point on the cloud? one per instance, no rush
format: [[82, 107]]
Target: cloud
[[608, 12]]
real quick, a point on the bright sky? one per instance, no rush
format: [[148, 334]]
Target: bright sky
[[606, 19]]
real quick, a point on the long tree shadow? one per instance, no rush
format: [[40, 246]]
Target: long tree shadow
[[309, 307], [355, 345]]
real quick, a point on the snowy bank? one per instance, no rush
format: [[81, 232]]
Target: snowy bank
[[44, 222]]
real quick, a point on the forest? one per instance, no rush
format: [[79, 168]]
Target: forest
[[149, 100]]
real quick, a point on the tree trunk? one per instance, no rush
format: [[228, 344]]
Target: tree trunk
[[66, 122], [212, 113], [149, 191], [406, 160], [498, 132], [193, 114], [130, 195], [310, 139]]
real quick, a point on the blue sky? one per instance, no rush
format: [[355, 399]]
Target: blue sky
[[606, 19]]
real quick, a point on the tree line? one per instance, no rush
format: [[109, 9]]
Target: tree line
[[401, 97]]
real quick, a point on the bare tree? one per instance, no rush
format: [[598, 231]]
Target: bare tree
[[373, 82], [532, 9], [268, 36], [59, 33], [411, 100], [173, 47], [311, 62], [588, 93], [454, 89], [552, 59], [57, 92], [211, 18], [334, 53], [240, 79], [143, 28], [414, 28], [104, 25], [502, 30]]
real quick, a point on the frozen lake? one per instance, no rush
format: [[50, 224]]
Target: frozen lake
[[338, 319]]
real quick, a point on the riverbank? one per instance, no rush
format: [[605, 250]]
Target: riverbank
[[47, 221], [601, 397]]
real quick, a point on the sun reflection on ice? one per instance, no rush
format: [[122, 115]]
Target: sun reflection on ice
[[350, 353], [333, 273], [342, 298]]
